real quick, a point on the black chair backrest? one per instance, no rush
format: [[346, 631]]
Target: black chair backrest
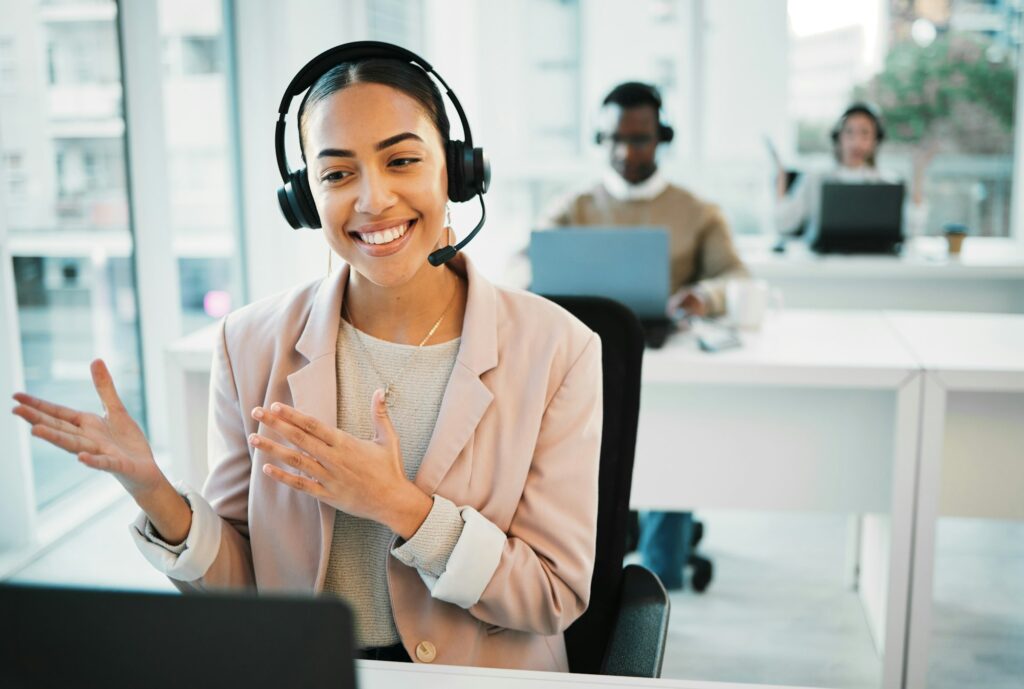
[[622, 346], [637, 644]]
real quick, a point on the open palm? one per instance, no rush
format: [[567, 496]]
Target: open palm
[[113, 442]]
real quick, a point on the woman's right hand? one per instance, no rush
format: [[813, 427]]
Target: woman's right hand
[[113, 443]]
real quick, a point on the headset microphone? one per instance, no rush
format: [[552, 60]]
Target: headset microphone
[[445, 254], [469, 171]]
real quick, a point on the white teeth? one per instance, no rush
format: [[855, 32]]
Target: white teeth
[[384, 236]]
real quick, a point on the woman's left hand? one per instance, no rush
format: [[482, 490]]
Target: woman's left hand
[[364, 478]]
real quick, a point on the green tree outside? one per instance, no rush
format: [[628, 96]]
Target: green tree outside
[[949, 92]]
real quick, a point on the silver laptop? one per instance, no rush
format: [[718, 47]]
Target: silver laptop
[[627, 264]]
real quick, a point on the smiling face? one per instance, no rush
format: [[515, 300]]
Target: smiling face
[[376, 168]]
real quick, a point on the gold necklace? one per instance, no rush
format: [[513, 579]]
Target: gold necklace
[[389, 385]]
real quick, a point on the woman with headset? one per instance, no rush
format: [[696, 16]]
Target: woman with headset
[[401, 433], [855, 140]]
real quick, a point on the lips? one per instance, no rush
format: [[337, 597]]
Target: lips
[[385, 236], [383, 239]]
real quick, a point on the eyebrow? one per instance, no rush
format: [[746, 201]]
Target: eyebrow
[[380, 146]]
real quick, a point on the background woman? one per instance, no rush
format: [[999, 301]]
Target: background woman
[[856, 138]]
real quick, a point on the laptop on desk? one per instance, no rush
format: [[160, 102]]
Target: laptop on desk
[[64, 637], [627, 264], [860, 219]]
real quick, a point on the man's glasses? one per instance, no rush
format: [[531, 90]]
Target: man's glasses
[[633, 140]]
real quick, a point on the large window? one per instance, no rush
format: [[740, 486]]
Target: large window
[[941, 71], [66, 210], [201, 173], [66, 189]]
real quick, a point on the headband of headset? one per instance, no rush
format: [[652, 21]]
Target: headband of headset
[[860, 108], [643, 92], [468, 169]]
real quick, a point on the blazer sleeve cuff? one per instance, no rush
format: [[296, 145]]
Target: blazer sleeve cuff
[[472, 563], [190, 559], [431, 546]]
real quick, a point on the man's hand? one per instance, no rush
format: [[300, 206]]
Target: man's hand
[[690, 299]]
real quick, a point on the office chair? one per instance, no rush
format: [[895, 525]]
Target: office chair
[[623, 630]]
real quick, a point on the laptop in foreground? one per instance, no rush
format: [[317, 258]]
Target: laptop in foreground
[[65, 637]]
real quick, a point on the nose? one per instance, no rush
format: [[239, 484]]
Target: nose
[[375, 195], [626, 151]]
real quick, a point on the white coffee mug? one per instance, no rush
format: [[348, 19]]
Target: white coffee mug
[[747, 301]]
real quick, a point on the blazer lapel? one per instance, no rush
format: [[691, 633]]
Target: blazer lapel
[[314, 387], [466, 397]]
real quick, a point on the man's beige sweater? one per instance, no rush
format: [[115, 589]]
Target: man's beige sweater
[[700, 246]]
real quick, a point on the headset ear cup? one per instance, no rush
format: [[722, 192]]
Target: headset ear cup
[[304, 196], [458, 189], [481, 172], [666, 133], [289, 207]]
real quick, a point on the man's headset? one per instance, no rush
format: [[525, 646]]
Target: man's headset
[[635, 94], [469, 171], [861, 108]]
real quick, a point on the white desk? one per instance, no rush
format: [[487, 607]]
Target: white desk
[[987, 277], [375, 674], [819, 411], [972, 439]]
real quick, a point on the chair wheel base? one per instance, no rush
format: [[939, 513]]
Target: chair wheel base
[[703, 573]]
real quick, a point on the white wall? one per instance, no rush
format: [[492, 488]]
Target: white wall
[[743, 91]]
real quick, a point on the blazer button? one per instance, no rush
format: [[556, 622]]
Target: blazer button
[[425, 652]]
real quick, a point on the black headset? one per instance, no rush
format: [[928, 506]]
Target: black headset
[[469, 171], [637, 94], [861, 108]]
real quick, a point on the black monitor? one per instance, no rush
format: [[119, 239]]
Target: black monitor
[[860, 218], [65, 637]]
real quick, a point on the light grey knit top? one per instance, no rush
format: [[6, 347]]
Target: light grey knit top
[[356, 570]]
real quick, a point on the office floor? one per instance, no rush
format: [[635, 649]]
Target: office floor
[[775, 613]]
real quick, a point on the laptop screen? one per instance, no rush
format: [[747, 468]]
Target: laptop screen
[[65, 637], [627, 264], [860, 216]]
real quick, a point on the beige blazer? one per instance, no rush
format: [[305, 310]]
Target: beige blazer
[[517, 442]]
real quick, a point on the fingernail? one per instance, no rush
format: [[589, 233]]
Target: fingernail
[[275, 407], [257, 413], [266, 469], [254, 439]]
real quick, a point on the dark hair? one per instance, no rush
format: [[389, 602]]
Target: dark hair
[[870, 111], [406, 77], [633, 94]]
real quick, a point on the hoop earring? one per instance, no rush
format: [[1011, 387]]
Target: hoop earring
[[450, 234]]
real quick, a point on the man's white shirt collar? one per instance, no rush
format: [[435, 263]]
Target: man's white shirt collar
[[621, 190]]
